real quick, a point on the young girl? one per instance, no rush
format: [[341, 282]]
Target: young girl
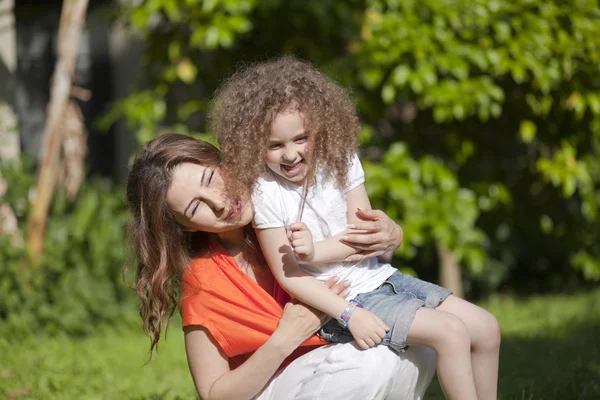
[[289, 131]]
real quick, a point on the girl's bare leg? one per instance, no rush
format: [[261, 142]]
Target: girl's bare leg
[[448, 336], [484, 331]]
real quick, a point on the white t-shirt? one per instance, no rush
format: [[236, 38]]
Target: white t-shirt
[[277, 203]]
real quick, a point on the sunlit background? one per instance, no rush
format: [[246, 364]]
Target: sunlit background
[[481, 137]]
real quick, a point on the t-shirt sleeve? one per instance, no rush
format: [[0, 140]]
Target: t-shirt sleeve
[[194, 310], [191, 306], [268, 210], [356, 174]]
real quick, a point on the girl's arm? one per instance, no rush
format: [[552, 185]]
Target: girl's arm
[[366, 328], [209, 366], [302, 286]]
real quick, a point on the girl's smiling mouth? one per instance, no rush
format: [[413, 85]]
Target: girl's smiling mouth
[[293, 169]]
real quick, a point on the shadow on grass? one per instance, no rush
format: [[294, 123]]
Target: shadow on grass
[[562, 365]]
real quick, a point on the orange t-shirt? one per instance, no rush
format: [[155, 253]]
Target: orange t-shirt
[[237, 312]]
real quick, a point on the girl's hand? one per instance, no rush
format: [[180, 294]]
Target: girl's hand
[[301, 240], [376, 235], [366, 328]]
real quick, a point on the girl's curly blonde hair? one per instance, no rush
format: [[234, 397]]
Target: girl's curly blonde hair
[[246, 104]]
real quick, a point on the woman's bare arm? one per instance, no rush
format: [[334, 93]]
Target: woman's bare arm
[[376, 235], [335, 248], [371, 233], [209, 366]]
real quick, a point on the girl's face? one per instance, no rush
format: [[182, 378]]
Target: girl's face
[[288, 152], [198, 200]]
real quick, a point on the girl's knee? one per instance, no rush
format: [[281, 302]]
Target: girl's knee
[[489, 331], [453, 332]]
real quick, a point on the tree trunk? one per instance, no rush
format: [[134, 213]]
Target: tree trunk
[[450, 275], [71, 22]]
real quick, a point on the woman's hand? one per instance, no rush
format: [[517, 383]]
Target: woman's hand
[[299, 321], [374, 236]]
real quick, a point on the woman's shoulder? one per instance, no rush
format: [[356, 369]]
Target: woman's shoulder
[[208, 268], [199, 273]]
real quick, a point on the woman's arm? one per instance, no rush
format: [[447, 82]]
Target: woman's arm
[[333, 248], [210, 369], [209, 366], [376, 235]]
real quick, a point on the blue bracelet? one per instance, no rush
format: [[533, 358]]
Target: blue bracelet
[[345, 317], [358, 303]]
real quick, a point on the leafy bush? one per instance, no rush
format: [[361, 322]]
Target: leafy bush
[[499, 100], [433, 207], [78, 284], [501, 92]]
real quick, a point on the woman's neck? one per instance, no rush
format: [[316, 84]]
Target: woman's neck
[[233, 241], [235, 244]]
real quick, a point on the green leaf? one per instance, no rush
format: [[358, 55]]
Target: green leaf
[[593, 100], [388, 94], [186, 71], [400, 75], [528, 130], [546, 224]]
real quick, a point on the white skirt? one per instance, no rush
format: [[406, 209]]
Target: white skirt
[[344, 372]]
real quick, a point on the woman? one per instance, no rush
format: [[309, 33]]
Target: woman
[[242, 339]]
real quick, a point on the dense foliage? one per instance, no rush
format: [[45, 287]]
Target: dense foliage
[[482, 118], [78, 285]]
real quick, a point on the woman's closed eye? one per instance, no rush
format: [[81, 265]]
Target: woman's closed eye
[[207, 178], [196, 205], [274, 146]]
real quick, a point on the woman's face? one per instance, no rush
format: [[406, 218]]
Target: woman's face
[[199, 203]]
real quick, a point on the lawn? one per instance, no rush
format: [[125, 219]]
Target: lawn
[[550, 350]]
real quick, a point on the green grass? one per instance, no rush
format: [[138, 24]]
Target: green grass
[[550, 347], [550, 350], [107, 366]]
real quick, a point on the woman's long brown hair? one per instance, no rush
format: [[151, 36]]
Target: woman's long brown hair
[[161, 248]]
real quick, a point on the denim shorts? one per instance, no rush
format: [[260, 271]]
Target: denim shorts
[[396, 301]]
